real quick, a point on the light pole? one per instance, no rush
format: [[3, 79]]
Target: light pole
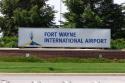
[[60, 13]]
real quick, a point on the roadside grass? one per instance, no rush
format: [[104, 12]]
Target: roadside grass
[[28, 67], [32, 64]]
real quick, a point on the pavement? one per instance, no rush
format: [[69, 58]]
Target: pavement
[[62, 78]]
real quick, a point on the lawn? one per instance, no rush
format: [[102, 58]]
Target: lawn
[[36, 67]]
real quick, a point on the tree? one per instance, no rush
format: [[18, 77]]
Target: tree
[[25, 13], [122, 32], [94, 14], [7, 23], [112, 17]]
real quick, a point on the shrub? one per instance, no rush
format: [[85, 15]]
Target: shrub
[[118, 44], [8, 42]]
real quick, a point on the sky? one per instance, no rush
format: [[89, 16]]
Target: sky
[[56, 5]]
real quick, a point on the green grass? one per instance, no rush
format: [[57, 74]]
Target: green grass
[[36, 67], [22, 64]]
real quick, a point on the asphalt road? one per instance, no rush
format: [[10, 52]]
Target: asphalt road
[[38, 78]]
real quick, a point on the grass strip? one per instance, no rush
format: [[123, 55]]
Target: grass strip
[[36, 67]]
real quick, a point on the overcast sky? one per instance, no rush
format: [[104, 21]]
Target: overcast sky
[[56, 4]]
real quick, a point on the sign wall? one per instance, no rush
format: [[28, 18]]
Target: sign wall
[[57, 37]]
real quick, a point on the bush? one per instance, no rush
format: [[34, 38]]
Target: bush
[[118, 44], [10, 42]]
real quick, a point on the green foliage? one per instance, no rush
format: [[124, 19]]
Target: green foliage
[[90, 18], [7, 7], [34, 17], [24, 13], [113, 18], [118, 44], [7, 23], [9, 27], [95, 14], [10, 42]]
